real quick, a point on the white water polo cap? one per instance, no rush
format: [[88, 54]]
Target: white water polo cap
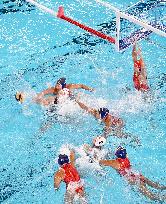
[[99, 141]]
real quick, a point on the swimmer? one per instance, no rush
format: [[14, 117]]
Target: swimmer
[[89, 156], [58, 94], [140, 75], [112, 123], [96, 151], [122, 165], [69, 174], [63, 90]]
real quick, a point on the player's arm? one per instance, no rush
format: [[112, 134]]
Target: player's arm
[[58, 177], [107, 128], [46, 92], [113, 163], [86, 108], [134, 53], [72, 157], [79, 86]]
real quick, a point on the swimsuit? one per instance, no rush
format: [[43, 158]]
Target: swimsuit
[[63, 95], [137, 83], [72, 178], [124, 166], [125, 170]]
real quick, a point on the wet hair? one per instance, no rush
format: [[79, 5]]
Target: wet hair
[[121, 152], [63, 159], [103, 112], [62, 81]]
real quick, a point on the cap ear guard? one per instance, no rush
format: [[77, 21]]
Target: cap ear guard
[[63, 159], [121, 152]]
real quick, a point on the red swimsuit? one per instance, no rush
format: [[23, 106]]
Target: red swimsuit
[[137, 83], [125, 170], [71, 176], [124, 165]]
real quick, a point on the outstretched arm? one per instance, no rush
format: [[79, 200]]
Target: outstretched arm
[[46, 92], [72, 157], [143, 68], [113, 163], [134, 53], [79, 86], [58, 177], [138, 54], [86, 108], [107, 129]]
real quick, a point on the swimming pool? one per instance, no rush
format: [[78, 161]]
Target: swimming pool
[[37, 49]]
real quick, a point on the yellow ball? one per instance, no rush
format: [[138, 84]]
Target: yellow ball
[[19, 97]]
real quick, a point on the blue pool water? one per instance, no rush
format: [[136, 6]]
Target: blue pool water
[[37, 49]]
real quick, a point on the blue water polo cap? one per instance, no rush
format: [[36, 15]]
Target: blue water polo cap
[[103, 112], [121, 152], [62, 81], [63, 159]]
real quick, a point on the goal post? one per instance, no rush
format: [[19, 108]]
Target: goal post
[[144, 27]]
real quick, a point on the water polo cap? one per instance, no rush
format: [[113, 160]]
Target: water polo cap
[[62, 81], [103, 112], [63, 159], [99, 141], [121, 152]]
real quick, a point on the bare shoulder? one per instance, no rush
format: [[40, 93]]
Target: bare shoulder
[[60, 173]]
